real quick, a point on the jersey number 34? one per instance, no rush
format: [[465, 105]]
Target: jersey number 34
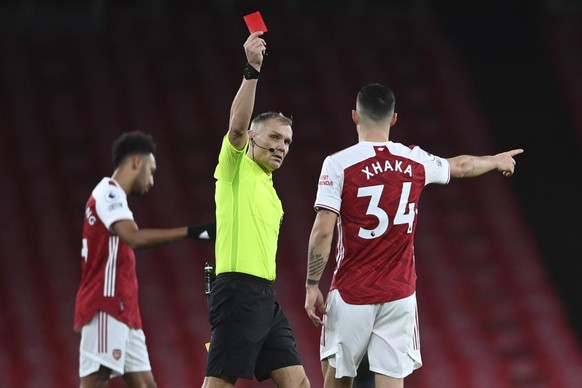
[[404, 215]]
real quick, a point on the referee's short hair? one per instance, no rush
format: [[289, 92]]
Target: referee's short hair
[[277, 116]]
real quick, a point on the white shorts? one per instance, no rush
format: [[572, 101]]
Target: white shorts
[[387, 331], [111, 343]]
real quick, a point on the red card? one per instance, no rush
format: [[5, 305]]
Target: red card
[[255, 22]]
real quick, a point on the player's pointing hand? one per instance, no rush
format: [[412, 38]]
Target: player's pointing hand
[[506, 162]]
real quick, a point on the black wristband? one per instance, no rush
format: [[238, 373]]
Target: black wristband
[[205, 231], [250, 72]]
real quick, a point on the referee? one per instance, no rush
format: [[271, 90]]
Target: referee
[[250, 333]]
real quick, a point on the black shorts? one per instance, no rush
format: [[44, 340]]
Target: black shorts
[[250, 333]]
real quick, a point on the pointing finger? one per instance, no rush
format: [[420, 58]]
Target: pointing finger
[[515, 152]]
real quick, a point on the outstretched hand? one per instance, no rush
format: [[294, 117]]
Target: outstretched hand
[[314, 304], [506, 162], [255, 47]]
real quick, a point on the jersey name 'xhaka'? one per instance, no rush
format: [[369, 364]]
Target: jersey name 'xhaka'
[[377, 168]]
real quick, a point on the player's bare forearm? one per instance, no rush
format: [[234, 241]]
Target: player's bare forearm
[[316, 263], [136, 238], [317, 257], [469, 166], [320, 245], [149, 238]]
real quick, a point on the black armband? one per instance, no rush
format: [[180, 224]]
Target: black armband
[[250, 72]]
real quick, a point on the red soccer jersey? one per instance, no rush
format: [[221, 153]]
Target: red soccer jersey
[[375, 188], [109, 278]]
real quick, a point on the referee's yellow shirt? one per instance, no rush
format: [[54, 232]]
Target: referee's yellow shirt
[[248, 215]]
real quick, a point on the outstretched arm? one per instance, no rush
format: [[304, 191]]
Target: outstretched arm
[[132, 235], [244, 101], [318, 254], [468, 166]]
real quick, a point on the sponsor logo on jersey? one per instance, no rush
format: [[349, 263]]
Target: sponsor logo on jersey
[[114, 206], [325, 181], [111, 196]]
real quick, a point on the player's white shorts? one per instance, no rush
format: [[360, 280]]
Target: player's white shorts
[[388, 331], [111, 343]]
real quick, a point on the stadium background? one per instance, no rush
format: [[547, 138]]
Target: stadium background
[[497, 259]]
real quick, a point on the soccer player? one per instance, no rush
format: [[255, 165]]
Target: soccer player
[[371, 191], [250, 333], [107, 312]]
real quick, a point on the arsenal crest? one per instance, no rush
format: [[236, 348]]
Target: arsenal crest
[[116, 353]]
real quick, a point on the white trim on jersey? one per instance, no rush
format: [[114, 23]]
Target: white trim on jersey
[[340, 244], [111, 267], [317, 207]]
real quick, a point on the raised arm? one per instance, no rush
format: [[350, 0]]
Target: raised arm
[[468, 166], [317, 257], [244, 101]]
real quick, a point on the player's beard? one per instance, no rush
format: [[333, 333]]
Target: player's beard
[[140, 186], [138, 191]]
